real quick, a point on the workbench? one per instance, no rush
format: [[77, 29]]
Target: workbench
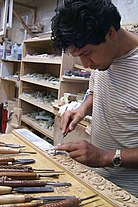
[[85, 182]]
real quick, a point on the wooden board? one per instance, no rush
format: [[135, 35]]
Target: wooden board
[[85, 182]]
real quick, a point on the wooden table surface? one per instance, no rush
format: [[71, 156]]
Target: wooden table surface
[[85, 182]]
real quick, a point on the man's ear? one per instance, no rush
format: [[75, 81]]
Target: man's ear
[[112, 34]]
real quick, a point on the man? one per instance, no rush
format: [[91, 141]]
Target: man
[[91, 30]]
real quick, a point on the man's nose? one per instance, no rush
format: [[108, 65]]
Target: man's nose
[[86, 62]]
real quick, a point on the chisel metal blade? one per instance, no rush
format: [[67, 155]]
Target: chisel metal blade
[[54, 175], [52, 198], [34, 189], [58, 184], [24, 161], [3, 144], [14, 145]]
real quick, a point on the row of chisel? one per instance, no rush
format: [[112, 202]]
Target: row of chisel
[[16, 177]]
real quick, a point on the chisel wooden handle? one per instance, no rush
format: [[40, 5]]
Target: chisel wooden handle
[[20, 175], [15, 170], [8, 150], [5, 168], [11, 199], [7, 159], [4, 163], [2, 144], [30, 204], [5, 190], [23, 183]]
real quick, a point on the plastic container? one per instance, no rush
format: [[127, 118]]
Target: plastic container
[[14, 51], [20, 52]]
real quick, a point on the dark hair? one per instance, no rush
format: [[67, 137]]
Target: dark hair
[[81, 22]]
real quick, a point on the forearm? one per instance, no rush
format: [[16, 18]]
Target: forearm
[[86, 106], [129, 158]]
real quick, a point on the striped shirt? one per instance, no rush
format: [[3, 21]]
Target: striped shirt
[[115, 115]]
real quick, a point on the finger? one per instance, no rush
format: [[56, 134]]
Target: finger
[[73, 123], [69, 147], [65, 120], [77, 156], [74, 154]]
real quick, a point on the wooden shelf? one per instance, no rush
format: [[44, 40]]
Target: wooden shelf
[[32, 101], [8, 60], [10, 79], [42, 60], [74, 79], [41, 83], [38, 39], [37, 127]]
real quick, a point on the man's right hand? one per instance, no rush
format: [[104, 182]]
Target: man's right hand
[[70, 119]]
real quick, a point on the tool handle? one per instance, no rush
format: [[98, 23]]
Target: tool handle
[[5, 190], [15, 170], [20, 175], [7, 159], [12, 168], [28, 204], [66, 203], [4, 163], [2, 144], [8, 150], [20, 167], [11, 199], [23, 183]]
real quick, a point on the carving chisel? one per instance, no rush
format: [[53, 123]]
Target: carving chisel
[[22, 168], [27, 175], [13, 161], [60, 142], [75, 202], [7, 189], [3, 144], [31, 183], [10, 199], [62, 138], [28, 204], [7, 168], [8, 150]]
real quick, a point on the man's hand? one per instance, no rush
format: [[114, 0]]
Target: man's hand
[[70, 119], [88, 154]]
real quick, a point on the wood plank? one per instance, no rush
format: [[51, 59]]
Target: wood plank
[[74, 79], [37, 127], [42, 60], [41, 83], [33, 101]]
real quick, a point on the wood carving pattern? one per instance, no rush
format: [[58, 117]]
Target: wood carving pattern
[[99, 184]]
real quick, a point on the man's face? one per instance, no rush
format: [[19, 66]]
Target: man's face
[[96, 56]]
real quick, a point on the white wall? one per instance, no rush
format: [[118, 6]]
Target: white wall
[[128, 10], [46, 10]]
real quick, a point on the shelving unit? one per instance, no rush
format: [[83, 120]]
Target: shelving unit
[[39, 57]]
